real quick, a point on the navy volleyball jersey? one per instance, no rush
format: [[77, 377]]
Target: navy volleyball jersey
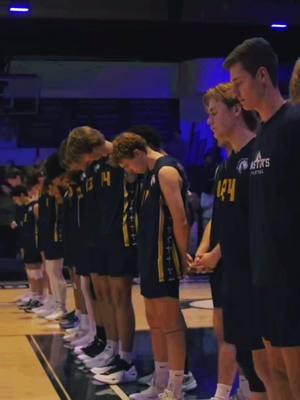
[[119, 204], [157, 250], [91, 204], [72, 221], [29, 229], [274, 200], [232, 207], [45, 204]]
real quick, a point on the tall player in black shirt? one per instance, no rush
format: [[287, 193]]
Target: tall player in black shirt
[[274, 208], [162, 246], [230, 124]]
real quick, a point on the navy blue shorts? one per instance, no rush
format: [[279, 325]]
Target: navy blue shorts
[[277, 314], [216, 285], [116, 260]]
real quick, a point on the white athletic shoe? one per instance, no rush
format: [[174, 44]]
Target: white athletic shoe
[[151, 393], [102, 360], [189, 381], [23, 299], [70, 337], [83, 341], [122, 372], [169, 395], [55, 315]]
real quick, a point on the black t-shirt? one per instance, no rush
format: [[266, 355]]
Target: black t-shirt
[[274, 200], [214, 234], [232, 216], [46, 203]]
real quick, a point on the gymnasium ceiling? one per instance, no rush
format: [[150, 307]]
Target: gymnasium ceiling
[[145, 30]]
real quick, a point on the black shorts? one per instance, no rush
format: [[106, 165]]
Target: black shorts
[[86, 261], [240, 326], [151, 289], [116, 260], [277, 314], [54, 251], [32, 256], [216, 285]]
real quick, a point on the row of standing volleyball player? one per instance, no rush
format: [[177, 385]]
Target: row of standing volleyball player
[[122, 206]]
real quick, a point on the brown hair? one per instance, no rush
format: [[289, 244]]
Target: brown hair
[[252, 54], [224, 92], [81, 140], [294, 86], [124, 146]]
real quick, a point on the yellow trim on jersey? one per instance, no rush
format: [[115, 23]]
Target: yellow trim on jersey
[[125, 208], [161, 273], [176, 260]]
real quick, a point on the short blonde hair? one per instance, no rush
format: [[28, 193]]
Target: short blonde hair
[[224, 92], [81, 140], [294, 86]]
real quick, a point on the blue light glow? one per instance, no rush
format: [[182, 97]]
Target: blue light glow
[[279, 26], [19, 9]]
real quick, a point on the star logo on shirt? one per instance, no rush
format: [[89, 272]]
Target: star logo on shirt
[[242, 165]]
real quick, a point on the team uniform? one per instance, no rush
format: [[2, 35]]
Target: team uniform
[[215, 278], [71, 224], [52, 235], [117, 236], [159, 261], [30, 236], [88, 214], [274, 226], [232, 202]]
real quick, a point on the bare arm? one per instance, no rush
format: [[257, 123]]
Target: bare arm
[[171, 183], [205, 241]]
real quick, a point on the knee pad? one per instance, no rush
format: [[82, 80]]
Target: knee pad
[[244, 359]]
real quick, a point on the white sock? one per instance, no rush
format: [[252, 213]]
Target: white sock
[[222, 392], [84, 322], [126, 356], [161, 374], [111, 346], [244, 386], [175, 382]]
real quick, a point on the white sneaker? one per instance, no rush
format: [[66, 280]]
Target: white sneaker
[[23, 299], [151, 393], [84, 357], [101, 370], [102, 360], [73, 330], [57, 314], [122, 372], [84, 341], [189, 381], [70, 337], [169, 395]]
